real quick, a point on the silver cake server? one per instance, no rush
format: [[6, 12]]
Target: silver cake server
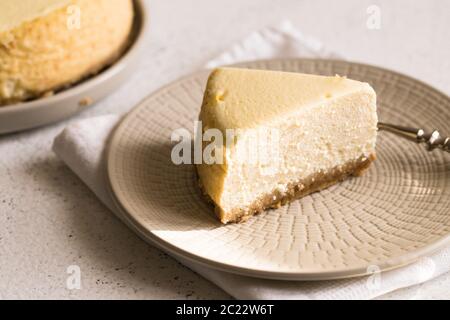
[[432, 139]]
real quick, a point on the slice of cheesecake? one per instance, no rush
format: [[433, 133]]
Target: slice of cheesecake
[[306, 132]]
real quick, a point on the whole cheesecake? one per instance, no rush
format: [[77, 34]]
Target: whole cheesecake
[[46, 45], [314, 131]]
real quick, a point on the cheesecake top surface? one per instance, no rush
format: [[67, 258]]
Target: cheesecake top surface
[[243, 98], [15, 12]]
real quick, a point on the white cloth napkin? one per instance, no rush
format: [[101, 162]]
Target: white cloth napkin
[[81, 147]]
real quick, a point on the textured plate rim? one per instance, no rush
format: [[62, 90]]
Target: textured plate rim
[[95, 80], [127, 216]]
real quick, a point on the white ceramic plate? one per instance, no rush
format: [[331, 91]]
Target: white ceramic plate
[[396, 213], [78, 97]]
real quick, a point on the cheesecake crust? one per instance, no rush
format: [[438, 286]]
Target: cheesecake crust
[[313, 183]]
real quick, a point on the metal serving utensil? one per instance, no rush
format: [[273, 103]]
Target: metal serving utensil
[[432, 139]]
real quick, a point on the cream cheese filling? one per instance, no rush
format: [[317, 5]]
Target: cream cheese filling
[[314, 139], [15, 12]]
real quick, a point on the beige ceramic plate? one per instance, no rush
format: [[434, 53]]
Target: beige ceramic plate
[[80, 96], [398, 212]]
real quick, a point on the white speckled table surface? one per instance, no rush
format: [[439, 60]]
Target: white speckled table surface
[[49, 220]]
